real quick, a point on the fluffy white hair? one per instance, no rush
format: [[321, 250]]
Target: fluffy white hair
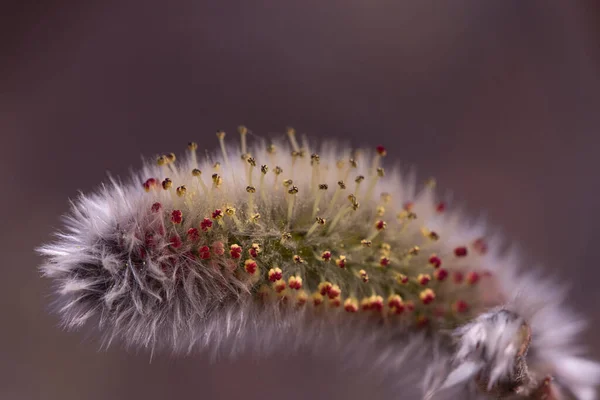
[[159, 268]]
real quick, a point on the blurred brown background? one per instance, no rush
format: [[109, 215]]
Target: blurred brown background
[[497, 99]]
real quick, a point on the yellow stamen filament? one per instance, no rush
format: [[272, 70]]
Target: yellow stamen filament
[[351, 164], [358, 181], [322, 188], [221, 136], [198, 174], [243, 131], [251, 190], [261, 186], [292, 200], [192, 146], [277, 171], [341, 186], [375, 164], [252, 163], [319, 221], [230, 212], [343, 211], [314, 162], [374, 180], [291, 132]]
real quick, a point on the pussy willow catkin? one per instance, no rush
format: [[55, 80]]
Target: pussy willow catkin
[[292, 245]]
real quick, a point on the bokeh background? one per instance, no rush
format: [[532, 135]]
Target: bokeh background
[[498, 100]]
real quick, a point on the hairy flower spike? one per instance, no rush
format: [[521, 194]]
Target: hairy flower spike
[[175, 260]]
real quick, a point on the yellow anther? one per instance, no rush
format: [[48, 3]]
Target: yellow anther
[[181, 191], [229, 211]]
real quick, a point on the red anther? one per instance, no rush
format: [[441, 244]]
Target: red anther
[[193, 234], [250, 266], [351, 305], [365, 304], [380, 225], [472, 278], [363, 275], [441, 207], [335, 302], [384, 261], [381, 151], [279, 286], [235, 251], [301, 298], [460, 251], [458, 277], [206, 224], [460, 306], [175, 242], [317, 299], [150, 184], [295, 282], [427, 296], [156, 207], [376, 303], [217, 214], [326, 256], [253, 252], [176, 216], [439, 311], [410, 306], [334, 292], [422, 321], [423, 279], [480, 246], [218, 248], [324, 288], [149, 240], [204, 252], [398, 309], [395, 301], [275, 274], [435, 261], [440, 274]]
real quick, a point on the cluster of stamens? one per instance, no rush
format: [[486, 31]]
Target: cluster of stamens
[[386, 266]]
